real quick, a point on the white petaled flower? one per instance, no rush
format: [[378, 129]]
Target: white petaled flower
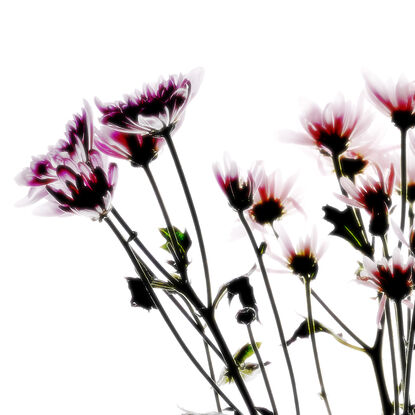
[[156, 110], [396, 100], [392, 278]]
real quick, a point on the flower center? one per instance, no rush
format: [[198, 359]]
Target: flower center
[[267, 211]]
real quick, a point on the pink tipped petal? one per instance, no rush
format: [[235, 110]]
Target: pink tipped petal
[[381, 311]]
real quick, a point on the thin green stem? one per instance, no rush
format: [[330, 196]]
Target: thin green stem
[[134, 260], [274, 308], [311, 329], [403, 181], [392, 349], [193, 213], [263, 370]]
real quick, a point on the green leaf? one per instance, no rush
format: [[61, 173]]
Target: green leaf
[[244, 352], [346, 226], [262, 248], [177, 244]]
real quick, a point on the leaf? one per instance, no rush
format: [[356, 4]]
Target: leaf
[[346, 226], [140, 297], [302, 331], [262, 248], [177, 245], [244, 352]]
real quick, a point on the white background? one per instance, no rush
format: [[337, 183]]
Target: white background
[[70, 342]]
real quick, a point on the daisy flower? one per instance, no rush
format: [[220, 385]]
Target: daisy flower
[[271, 198], [396, 100], [238, 188], [392, 278], [333, 129], [156, 110]]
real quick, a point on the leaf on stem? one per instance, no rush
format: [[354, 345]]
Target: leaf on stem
[[346, 227], [140, 297], [178, 246]]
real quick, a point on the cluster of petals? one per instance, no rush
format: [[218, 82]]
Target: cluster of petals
[[238, 188], [373, 194], [271, 197], [302, 260], [396, 100], [392, 278], [333, 129], [137, 124], [75, 177]]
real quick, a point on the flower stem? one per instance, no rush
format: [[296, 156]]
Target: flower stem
[[163, 313], [409, 364], [401, 337], [166, 217], [403, 181], [340, 322], [392, 348], [193, 213], [274, 308], [311, 329], [263, 370]]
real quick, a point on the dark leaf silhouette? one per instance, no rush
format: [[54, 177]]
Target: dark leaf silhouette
[[178, 246], [346, 227], [140, 297]]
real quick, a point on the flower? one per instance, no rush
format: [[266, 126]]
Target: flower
[[374, 196], [271, 198], [158, 110], [303, 260], [140, 150], [72, 175], [393, 278], [331, 129], [394, 100], [239, 190]]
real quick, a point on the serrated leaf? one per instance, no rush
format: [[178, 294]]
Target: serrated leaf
[[177, 245], [244, 352], [346, 227]]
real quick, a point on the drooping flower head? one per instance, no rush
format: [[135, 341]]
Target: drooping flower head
[[333, 128], [392, 278], [303, 260], [271, 198], [394, 100], [237, 188], [157, 110], [72, 175], [373, 195]]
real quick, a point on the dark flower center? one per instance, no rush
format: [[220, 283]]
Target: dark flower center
[[334, 142], [376, 199], [403, 119], [353, 166], [411, 192], [239, 193], [305, 265], [267, 211], [396, 286]]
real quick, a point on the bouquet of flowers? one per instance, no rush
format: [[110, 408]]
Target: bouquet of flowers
[[74, 177]]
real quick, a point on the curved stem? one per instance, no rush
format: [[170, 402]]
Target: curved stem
[[338, 321], [193, 213], [311, 329], [262, 367], [274, 309], [392, 348], [163, 313]]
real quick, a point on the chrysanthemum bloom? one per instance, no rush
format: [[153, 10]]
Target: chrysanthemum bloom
[[72, 175], [374, 196], [333, 128], [394, 100], [271, 198], [42, 169], [239, 190], [303, 260], [156, 111], [392, 278]]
